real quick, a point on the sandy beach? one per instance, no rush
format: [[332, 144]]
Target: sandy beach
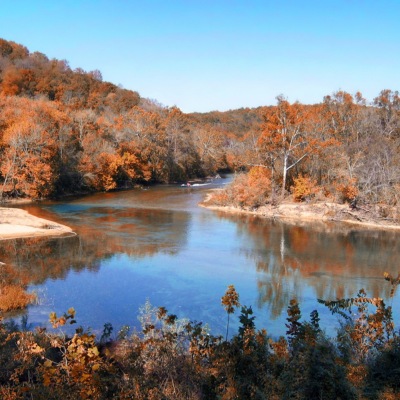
[[17, 223]]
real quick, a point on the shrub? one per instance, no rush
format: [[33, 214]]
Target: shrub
[[250, 190], [347, 190], [13, 297], [176, 359], [304, 188]]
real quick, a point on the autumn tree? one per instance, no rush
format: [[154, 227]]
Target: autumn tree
[[183, 160], [388, 104], [143, 132], [285, 139], [29, 164], [209, 143]]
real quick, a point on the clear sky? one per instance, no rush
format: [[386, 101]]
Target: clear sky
[[203, 55]]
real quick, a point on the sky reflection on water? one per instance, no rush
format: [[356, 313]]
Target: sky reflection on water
[[159, 245]]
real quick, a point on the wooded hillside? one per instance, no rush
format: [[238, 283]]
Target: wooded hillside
[[66, 131], [342, 149]]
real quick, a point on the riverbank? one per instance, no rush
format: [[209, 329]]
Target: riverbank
[[17, 223], [312, 212]]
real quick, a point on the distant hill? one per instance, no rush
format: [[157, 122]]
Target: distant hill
[[33, 75]]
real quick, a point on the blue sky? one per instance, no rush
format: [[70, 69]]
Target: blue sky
[[219, 55]]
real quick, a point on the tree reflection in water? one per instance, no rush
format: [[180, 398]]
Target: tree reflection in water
[[172, 251], [103, 233], [334, 259]]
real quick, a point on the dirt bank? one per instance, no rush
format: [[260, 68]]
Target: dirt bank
[[309, 212]]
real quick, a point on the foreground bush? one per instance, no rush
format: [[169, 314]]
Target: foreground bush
[[14, 297], [13, 284], [178, 359]]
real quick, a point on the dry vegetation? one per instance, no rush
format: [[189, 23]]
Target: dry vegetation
[[307, 202], [176, 359], [13, 297]]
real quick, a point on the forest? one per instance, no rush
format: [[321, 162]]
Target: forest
[[67, 132]]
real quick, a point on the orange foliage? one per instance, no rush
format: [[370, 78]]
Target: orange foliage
[[250, 190], [13, 297], [286, 138], [341, 114], [72, 132], [347, 190], [304, 188], [29, 158]]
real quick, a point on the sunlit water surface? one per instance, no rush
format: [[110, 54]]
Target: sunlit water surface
[[158, 244]]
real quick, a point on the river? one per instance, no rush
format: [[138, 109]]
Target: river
[[158, 245]]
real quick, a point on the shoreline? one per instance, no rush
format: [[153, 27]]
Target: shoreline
[[308, 213], [16, 223]]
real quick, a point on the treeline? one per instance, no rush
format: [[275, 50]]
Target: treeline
[[342, 149], [179, 359], [66, 131], [33, 75]]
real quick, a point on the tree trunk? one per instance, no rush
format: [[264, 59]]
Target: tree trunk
[[284, 176]]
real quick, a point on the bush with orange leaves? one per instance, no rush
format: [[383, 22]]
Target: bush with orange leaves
[[250, 190], [304, 188], [13, 297], [347, 190]]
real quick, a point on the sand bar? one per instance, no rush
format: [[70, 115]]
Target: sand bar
[[17, 223]]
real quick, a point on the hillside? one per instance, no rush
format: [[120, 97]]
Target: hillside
[[65, 131]]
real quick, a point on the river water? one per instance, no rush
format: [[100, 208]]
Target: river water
[[158, 245]]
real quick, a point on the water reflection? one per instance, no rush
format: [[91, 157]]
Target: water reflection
[[137, 233], [159, 244], [335, 260]]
